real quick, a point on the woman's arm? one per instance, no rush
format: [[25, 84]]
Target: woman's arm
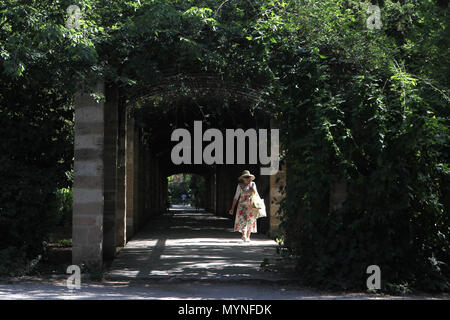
[[236, 197], [254, 188], [232, 207]]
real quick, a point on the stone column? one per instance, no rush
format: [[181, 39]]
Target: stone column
[[130, 166], [141, 180], [147, 196], [154, 186], [223, 184], [225, 187], [110, 177], [277, 183], [209, 191], [165, 191], [143, 175], [214, 192], [137, 184], [120, 182], [161, 177], [88, 188]]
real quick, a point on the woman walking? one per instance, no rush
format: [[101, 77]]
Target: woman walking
[[245, 221]]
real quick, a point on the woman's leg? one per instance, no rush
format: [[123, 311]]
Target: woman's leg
[[245, 235], [251, 226]]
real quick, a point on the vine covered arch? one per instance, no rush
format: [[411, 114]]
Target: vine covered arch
[[130, 149]]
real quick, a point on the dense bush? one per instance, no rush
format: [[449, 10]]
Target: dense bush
[[33, 163], [34, 159], [64, 200], [370, 115], [40, 59]]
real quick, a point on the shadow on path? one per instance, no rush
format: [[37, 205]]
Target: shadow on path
[[193, 246], [197, 247]]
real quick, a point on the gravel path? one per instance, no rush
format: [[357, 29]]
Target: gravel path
[[186, 290]]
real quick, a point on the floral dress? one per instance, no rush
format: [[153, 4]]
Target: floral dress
[[245, 214]]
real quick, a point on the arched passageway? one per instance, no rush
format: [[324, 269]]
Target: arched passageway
[[123, 158]]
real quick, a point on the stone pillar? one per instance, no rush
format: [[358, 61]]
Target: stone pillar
[[216, 207], [120, 180], [277, 183], [263, 186], [214, 192], [223, 183], [209, 192], [146, 196], [225, 187], [147, 190], [110, 177], [137, 183], [155, 186], [88, 178], [162, 189], [165, 191], [142, 183], [130, 166]]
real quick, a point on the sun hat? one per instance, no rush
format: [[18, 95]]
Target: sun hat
[[246, 173]]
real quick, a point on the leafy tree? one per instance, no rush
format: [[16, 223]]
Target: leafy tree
[[40, 59]]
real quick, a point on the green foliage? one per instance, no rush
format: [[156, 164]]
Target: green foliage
[[39, 59], [64, 200], [178, 184], [13, 262], [368, 114], [65, 243], [192, 185]]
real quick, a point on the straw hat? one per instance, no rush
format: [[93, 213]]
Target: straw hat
[[246, 173]]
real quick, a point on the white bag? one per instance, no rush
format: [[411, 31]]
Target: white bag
[[259, 205], [262, 211]]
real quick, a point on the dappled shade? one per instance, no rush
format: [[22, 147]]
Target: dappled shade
[[193, 246]]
